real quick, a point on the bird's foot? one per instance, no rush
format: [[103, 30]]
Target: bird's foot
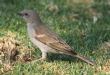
[[40, 59]]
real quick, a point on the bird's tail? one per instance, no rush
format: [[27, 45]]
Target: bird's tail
[[85, 59]]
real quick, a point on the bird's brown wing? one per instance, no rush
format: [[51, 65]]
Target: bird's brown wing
[[46, 36]]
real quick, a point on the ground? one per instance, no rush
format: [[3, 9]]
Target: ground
[[83, 24]]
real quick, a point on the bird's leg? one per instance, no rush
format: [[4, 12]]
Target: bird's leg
[[43, 58]]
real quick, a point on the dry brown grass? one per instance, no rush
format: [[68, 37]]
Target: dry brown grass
[[11, 50]]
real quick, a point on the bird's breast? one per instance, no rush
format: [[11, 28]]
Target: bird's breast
[[36, 42]]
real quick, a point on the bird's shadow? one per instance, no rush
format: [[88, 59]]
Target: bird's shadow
[[61, 57]]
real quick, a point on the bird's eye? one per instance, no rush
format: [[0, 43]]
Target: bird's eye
[[26, 14]]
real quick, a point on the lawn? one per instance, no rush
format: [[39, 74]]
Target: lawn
[[83, 24]]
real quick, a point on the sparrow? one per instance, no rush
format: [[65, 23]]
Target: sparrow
[[45, 39]]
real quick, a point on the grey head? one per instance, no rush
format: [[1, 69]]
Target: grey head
[[30, 16]]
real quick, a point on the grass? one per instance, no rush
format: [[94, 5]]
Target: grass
[[74, 22]]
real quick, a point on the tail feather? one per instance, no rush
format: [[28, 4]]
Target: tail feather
[[85, 59]]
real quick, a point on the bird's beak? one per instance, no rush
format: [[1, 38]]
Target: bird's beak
[[20, 14]]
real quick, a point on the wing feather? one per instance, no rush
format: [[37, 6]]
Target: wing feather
[[51, 39]]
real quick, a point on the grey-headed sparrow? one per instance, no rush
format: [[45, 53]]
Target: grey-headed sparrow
[[45, 39]]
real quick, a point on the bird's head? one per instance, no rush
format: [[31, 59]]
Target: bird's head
[[30, 16]]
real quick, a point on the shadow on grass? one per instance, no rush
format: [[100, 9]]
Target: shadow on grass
[[61, 57]]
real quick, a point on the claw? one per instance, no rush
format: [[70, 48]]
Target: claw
[[40, 59]]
